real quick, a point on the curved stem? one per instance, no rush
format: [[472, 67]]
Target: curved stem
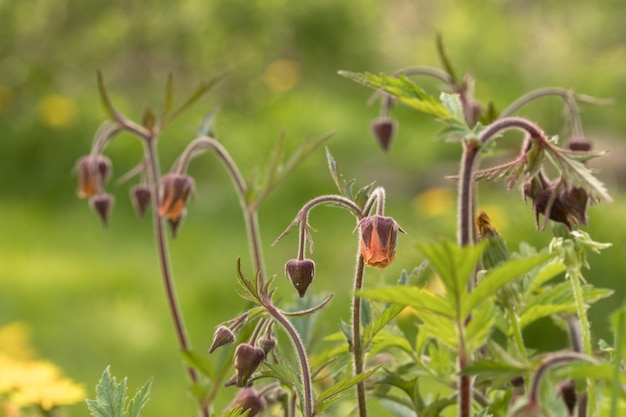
[[172, 301], [548, 363], [567, 96], [509, 123], [302, 357], [357, 348]]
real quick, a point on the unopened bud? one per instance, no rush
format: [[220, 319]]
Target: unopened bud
[[92, 173], [300, 272], [140, 196], [379, 235], [249, 399], [101, 204], [223, 336], [384, 129], [579, 144], [247, 359], [267, 343], [567, 391]]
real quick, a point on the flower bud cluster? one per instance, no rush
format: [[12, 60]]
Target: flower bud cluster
[[93, 173]]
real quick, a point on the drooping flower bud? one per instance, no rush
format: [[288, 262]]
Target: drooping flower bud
[[101, 204], [92, 172], [567, 206], [223, 336], [384, 129], [249, 399], [267, 343], [379, 235], [300, 272], [247, 359], [175, 191], [567, 391], [140, 196], [579, 144]]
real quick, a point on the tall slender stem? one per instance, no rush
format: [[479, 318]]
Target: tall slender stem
[[586, 334], [357, 348], [302, 357], [163, 256]]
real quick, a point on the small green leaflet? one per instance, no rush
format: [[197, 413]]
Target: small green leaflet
[[404, 90], [111, 399], [338, 389]]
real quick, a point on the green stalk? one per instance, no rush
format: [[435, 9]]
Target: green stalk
[[574, 277]]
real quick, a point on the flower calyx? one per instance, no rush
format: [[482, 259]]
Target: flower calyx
[[223, 336], [379, 235], [384, 128], [300, 272], [175, 192], [92, 172], [140, 196], [247, 359], [102, 204]]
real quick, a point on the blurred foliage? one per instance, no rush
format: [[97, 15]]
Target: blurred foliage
[[84, 290]]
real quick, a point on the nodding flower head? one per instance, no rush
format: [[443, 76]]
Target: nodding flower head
[[300, 272], [384, 129], [93, 172], [567, 205], [248, 399], [223, 336], [247, 359], [140, 196], [175, 191], [379, 235]]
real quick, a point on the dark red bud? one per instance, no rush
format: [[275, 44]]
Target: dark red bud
[[567, 391], [101, 204], [247, 359], [579, 144], [300, 272], [223, 336], [140, 196], [267, 343], [249, 399], [384, 129]]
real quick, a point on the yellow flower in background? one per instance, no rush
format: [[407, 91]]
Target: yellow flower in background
[[25, 381], [435, 202], [57, 111], [282, 75], [42, 384]]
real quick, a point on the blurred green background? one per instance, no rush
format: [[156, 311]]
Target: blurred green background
[[94, 298]]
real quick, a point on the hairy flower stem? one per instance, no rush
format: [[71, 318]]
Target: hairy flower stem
[[585, 329], [466, 236], [357, 348], [549, 362], [254, 238], [163, 255], [466, 232], [302, 356], [568, 97]]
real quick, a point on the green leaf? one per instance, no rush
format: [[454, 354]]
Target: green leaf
[[169, 97], [452, 102], [499, 277], [138, 402], [195, 96], [404, 90], [387, 340], [335, 391], [389, 313], [480, 326], [440, 328], [104, 97], [419, 298], [455, 266], [111, 398], [199, 362], [445, 61], [540, 311], [576, 174]]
